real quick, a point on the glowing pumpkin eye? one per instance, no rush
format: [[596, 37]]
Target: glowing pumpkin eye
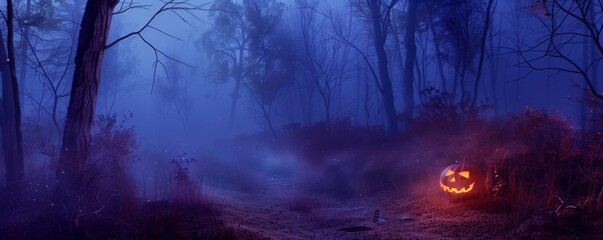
[[450, 172], [464, 174]]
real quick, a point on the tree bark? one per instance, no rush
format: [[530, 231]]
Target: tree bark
[[481, 53], [240, 65], [23, 47], [70, 185], [235, 98], [411, 53], [594, 74], [438, 52], [10, 117], [268, 121], [366, 105], [379, 37], [455, 81], [494, 67]]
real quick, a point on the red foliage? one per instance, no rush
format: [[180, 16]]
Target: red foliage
[[111, 197], [186, 190], [523, 154]]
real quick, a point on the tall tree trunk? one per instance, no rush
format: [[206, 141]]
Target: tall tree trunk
[[481, 53], [71, 179], [235, 98], [455, 82], [583, 111], [494, 67], [462, 81], [418, 81], [309, 106], [10, 117], [466, 61], [268, 121], [436, 43], [24, 47], [366, 105], [358, 84], [596, 115], [517, 14], [379, 37], [238, 80], [398, 56], [327, 105], [411, 55]]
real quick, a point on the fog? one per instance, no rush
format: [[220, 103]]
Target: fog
[[156, 121], [303, 119]]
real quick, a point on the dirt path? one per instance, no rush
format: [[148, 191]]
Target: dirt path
[[281, 212]]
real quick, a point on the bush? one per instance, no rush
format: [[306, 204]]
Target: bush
[[110, 191], [186, 189]]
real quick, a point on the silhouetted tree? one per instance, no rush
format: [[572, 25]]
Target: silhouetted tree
[[411, 55], [559, 20], [115, 76], [70, 177], [324, 58], [437, 43], [226, 44], [73, 177], [480, 64], [175, 92], [459, 22], [380, 13], [10, 111], [48, 38], [270, 52], [377, 14], [24, 46]]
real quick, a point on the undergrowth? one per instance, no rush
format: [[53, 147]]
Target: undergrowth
[[110, 207], [530, 158]]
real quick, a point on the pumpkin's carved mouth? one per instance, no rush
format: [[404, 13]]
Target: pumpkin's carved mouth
[[455, 190]]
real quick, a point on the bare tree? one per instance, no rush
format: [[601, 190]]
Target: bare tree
[[23, 46], [226, 44], [175, 92], [411, 55], [560, 19], [482, 54], [378, 15], [459, 23], [80, 113], [324, 58], [494, 53], [48, 38], [52, 73], [271, 55], [72, 174], [437, 43]]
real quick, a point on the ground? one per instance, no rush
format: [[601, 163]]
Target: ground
[[280, 211]]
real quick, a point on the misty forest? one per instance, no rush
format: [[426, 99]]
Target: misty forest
[[301, 119]]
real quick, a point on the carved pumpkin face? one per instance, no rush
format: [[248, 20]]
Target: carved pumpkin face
[[462, 181]]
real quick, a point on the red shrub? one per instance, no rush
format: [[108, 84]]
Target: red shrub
[[111, 197], [186, 189]]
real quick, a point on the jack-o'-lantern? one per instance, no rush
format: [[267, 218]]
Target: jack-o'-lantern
[[462, 181]]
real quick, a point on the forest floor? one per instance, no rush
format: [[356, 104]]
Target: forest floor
[[280, 211]]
